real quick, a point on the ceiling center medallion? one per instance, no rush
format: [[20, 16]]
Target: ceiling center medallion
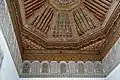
[[64, 4]]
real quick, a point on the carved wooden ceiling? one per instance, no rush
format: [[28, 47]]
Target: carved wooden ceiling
[[63, 29]]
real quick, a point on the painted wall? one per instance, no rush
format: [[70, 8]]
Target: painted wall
[[8, 70]]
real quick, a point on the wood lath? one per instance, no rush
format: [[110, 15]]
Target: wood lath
[[96, 46], [42, 21], [99, 8], [28, 44], [31, 6], [83, 21]]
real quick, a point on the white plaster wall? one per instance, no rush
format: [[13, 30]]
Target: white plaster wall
[[62, 79], [8, 70], [115, 74]]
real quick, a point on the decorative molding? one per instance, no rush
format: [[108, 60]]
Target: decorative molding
[[60, 57], [63, 69]]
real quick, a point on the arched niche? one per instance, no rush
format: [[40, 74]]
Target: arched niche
[[80, 67], [45, 67], [89, 66], [35, 68], [63, 67], [98, 67], [72, 67], [54, 67], [26, 67]]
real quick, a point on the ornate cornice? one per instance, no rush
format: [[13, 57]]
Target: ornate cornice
[[61, 57]]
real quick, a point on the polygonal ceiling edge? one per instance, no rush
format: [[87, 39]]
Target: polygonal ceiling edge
[[89, 10]]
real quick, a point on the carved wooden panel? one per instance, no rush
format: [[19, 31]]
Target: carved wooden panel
[[66, 28]]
